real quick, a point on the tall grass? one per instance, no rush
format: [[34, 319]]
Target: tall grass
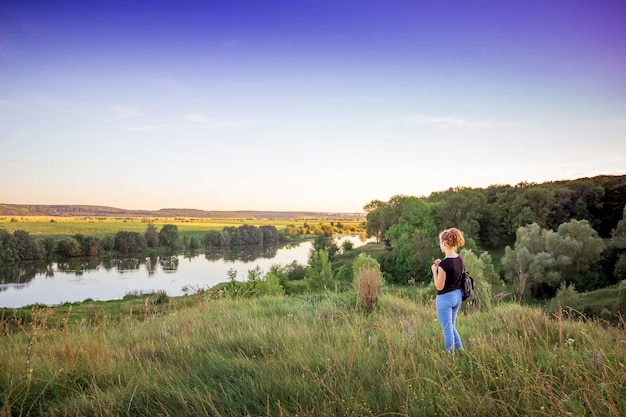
[[314, 355]]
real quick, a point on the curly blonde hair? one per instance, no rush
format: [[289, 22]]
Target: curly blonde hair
[[452, 237]]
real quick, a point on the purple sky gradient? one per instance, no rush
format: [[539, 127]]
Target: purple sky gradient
[[303, 105]]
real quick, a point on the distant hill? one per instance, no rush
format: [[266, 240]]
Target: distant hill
[[88, 211]]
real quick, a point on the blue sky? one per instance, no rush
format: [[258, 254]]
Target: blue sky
[[304, 105]]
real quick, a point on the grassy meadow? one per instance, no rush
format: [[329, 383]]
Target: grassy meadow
[[63, 227], [308, 355]]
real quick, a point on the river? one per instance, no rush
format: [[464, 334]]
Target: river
[[111, 279]]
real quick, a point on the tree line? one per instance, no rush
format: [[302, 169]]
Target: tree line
[[556, 232], [21, 246]]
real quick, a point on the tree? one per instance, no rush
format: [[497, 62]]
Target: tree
[[542, 259], [214, 238], [69, 247], [383, 215], [152, 236], [20, 246], [460, 208], [250, 235], [321, 242], [28, 248], [130, 242], [319, 273], [270, 234], [618, 235], [618, 242], [412, 238], [89, 245], [168, 236]]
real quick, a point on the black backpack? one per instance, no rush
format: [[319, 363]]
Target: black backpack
[[467, 287]]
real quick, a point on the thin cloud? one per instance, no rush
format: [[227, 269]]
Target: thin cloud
[[126, 112], [144, 128], [167, 82], [445, 121], [198, 118], [6, 103]]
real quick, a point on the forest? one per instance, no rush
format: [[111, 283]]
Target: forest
[[537, 236]]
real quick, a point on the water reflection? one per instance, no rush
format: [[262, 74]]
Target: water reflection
[[247, 253], [77, 279], [169, 263], [24, 272]]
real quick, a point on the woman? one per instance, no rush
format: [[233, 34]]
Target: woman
[[447, 277]]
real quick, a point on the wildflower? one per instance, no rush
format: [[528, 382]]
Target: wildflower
[[570, 341]]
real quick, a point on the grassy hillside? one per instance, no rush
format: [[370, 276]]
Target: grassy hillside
[[315, 355]]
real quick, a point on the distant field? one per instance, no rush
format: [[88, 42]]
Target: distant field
[[44, 226]]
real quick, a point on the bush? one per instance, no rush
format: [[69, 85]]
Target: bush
[[69, 247], [567, 300], [368, 283], [481, 269]]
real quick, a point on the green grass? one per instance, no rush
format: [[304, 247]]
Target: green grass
[[309, 355], [62, 227]]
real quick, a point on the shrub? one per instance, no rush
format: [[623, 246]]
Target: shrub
[[567, 300], [368, 283]]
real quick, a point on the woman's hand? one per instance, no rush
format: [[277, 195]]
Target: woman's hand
[[434, 267]]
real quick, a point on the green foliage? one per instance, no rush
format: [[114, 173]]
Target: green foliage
[[319, 273], [168, 236], [69, 247], [567, 300], [410, 229], [620, 267], [19, 246], [364, 261], [347, 246], [152, 236], [461, 208], [191, 243], [326, 229], [107, 243], [217, 239], [618, 235], [130, 242], [242, 235], [295, 271], [542, 259], [271, 285], [481, 269], [322, 242]]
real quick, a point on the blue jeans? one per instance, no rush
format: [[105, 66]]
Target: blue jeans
[[447, 308]]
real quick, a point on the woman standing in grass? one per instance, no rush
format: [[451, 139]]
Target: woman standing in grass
[[447, 277]]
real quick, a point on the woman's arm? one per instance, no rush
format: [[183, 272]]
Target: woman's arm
[[439, 275]]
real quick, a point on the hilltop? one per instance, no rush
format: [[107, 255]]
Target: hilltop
[[87, 210]]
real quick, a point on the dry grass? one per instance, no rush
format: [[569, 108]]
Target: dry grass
[[368, 283]]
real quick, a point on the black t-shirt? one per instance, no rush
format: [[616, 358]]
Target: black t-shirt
[[453, 268]]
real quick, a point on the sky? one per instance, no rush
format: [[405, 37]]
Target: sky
[[304, 105]]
